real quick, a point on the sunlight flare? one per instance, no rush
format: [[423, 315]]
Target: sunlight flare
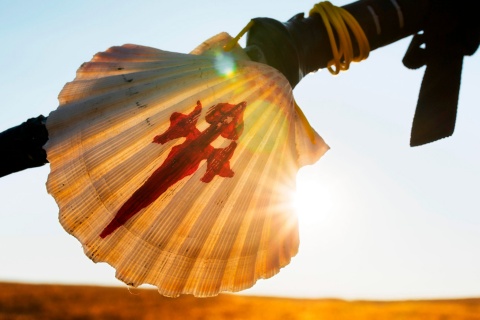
[[312, 200]]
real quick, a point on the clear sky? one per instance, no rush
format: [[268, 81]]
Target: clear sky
[[381, 220]]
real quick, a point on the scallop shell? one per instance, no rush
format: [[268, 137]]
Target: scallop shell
[[178, 169]]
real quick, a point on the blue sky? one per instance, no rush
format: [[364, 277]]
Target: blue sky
[[386, 222]]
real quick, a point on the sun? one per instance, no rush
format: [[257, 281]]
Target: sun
[[312, 200]]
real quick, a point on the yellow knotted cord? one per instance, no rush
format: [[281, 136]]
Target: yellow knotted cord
[[336, 20], [233, 42], [339, 19]]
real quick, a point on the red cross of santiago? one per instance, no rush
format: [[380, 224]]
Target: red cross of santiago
[[225, 120]]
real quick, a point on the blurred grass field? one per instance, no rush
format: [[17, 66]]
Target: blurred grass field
[[28, 301]]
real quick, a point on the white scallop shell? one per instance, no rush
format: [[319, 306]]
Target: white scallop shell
[[217, 228]]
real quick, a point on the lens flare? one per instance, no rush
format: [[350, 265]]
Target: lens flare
[[225, 64]]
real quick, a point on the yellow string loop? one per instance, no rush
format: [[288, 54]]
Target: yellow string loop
[[340, 20], [233, 42]]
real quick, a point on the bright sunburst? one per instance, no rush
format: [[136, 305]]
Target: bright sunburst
[[312, 200]]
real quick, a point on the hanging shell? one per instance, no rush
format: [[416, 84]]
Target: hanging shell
[[178, 169]]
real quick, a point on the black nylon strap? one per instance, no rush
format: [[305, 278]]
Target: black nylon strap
[[451, 32]]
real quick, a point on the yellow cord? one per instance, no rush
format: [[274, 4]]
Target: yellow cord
[[233, 42], [339, 19]]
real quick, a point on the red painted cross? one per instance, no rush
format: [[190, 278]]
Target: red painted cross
[[225, 120]]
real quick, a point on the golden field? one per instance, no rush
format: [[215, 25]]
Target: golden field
[[27, 301]]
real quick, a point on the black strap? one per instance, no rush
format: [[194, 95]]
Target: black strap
[[451, 32]]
